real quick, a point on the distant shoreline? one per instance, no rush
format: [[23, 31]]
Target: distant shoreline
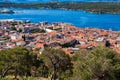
[[93, 7]]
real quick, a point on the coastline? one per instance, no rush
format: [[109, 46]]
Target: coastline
[[78, 18], [93, 7], [12, 20]]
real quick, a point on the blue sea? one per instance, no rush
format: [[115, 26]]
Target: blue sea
[[78, 18]]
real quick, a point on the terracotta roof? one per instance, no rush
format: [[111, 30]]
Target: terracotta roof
[[39, 45], [82, 34], [66, 51], [17, 40], [84, 46], [52, 33], [40, 41], [103, 32], [117, 50]]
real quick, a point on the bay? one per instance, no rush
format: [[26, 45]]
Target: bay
[[78, 18]]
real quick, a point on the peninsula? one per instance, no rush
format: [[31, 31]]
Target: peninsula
[[95, 7]]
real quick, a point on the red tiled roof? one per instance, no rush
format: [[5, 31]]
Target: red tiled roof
[[52, 33], [39, 45], [84, 46], [103, 32]]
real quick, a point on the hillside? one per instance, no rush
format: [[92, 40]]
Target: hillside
[[98, 7], [26, 1]]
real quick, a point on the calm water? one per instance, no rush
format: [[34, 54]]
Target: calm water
[[78, 18]]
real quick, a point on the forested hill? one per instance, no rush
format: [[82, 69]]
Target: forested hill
[[27, 1], [98, 7]]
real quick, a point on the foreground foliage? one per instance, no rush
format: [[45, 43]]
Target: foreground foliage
[[53, 63], [98, 64], [59, 64], [101, 63], [17, 61]]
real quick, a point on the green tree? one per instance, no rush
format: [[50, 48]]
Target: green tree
[[19, 30], [58, 63], [13, 28], [116, 62], [39, 69], [99, 64], [17, 61]]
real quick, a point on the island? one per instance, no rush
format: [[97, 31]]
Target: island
[[6, 11]]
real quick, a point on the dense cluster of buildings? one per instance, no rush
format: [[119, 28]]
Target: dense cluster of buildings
[[56, 35]]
